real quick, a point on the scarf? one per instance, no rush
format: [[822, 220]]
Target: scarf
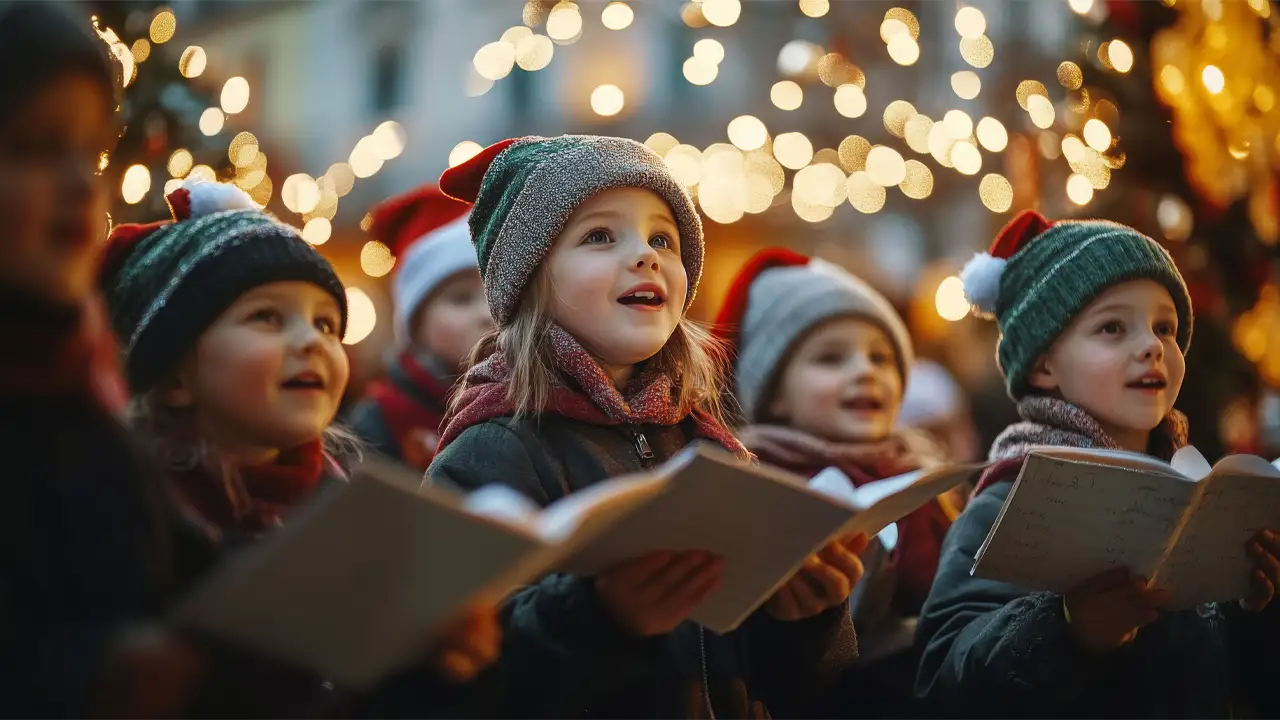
[[413, 401], [1050, 421], [589, 396], [864, 462], [254, 497], [59, 350]]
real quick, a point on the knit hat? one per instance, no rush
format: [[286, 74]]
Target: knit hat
[[525, 189], [166, 282], [1039, 274], [427, 231], [776, 299]]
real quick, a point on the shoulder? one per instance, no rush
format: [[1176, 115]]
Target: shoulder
[[1001, 472], [497, 450]]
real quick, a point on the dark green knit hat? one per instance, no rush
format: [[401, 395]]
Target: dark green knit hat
[[1039, 274], [166, 282], [525, 189]]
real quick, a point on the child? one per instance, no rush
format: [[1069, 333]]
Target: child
[[232, 328], [591, 253], [1094, 322], [84, 530], [440, 315], [820, 367]]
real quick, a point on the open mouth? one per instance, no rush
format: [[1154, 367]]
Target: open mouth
[[304, 381], [643, 297], [863, 404], [1150, 381]]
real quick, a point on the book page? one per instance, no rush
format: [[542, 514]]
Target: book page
[[1066, 521], [1210, 563], [884, 502], [354, 586], [764, 523]]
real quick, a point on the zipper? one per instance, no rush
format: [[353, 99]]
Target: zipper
[[643, 448], [706, 677], [1212, 612]]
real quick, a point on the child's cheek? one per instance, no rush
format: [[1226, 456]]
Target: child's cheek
[[253, 372]]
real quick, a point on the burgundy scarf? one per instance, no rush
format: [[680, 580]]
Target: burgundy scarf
[[1050, 421], [649, 399], [808, 454], [260, 495], [49, 350], [410, 412]]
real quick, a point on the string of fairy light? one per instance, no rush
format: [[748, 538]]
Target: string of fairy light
[[313, 199]]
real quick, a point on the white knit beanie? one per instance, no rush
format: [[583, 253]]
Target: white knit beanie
[[780, 297], [429, 261]]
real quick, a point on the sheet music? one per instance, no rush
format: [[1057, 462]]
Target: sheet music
[[1065, 522]]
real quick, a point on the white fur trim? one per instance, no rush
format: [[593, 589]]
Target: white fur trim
[[429, 261], [981, 278], [208, 198]]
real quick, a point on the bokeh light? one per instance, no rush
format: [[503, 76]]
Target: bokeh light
[[361, 316]]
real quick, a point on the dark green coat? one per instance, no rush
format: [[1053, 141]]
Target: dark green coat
[[993, 649], [564, 656]]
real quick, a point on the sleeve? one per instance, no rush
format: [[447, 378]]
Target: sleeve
[[560, 647], [990, 647], [1253, 638], [369, 424], [795, 663]]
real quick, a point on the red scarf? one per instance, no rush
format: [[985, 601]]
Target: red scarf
[[649, 399], [415, 413], [52, 350], [260, 495]]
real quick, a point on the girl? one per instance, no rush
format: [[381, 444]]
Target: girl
[[1094, 322], [820, 366], [232, 329], [440, 316], [84, 532], [591, 253]]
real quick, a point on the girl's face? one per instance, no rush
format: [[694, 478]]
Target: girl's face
[[841, 383], [269, 373], [617, 283], [454, 319], [52, 201], [1119, 361]]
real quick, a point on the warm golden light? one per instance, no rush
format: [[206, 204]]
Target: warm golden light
[[243, 149], [564, 24], [950, 300], [317, 231], [192, 62], [786, 95], [136, 184], [747, 132], [903, 50], [163, 27], [1041, 111], [235, 95], [970, 22], [1097, 135], [388, 140], [721, 13], [958, 124], [966, 84], [815, 8], [1213, 79], [376, 259], [1120, 55], [917, 132], [992, 135], [534, 52], [661, 142], [617, 16], [180, 163], [211, 121], [1070, 76], [361, 316], [793, 150], [607, 100], [885, 166], [699, 71], [463, 152], [978, 52], [853, 153], [917, 182], [865, 195], [850, 101], [495, 60], [996, 193], [966, 158], [685, 162], [1081, 7], [1079, 189], [709, 50]]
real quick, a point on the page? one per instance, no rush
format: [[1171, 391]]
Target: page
[[884, 502], [764, 523], [575, 519], [1066, 521], [1210, 562], [355, 584], [1111, 458]]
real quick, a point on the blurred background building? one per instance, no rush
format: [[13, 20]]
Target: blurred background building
[[893, 138]]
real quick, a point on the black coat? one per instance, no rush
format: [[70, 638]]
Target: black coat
[[563, 655], [993, 649]]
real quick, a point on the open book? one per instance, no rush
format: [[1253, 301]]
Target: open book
[[1184, 525], [356, 583]]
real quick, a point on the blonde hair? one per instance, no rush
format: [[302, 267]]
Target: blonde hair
[[692, 355]]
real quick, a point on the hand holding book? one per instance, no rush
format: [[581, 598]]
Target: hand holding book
[[1264, 549], [652, 594], [1107, 610], [824, 581]]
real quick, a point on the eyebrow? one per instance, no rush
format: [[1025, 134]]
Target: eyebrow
[[1121, 307], [614, 214]]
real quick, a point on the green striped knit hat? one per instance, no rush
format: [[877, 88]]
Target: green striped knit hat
[[1039, 275], [525, 189], [166, 282]]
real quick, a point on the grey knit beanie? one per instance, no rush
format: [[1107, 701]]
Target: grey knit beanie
[[777, 299], [525, 189]]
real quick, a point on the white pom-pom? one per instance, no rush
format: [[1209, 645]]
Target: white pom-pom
[[208, 198], [981, 279]]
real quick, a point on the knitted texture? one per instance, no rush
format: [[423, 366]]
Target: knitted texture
[[1055, 274], [785, 304], [649, 399], [532, 187], [178, 279]]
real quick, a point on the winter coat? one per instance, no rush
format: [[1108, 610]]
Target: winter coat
[[568, 658], [85, 532], [994, 649], [403, 412]]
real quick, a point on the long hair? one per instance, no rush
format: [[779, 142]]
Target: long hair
[[692, 355]]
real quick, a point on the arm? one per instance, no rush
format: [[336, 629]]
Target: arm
[[794, 663], [369, 424], [560, 645], [990, 647]]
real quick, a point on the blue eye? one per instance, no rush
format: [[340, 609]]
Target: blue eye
[[597, 237], [662, 242]]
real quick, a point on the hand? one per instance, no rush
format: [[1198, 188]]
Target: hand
[[652, 594], [150, 673], [1264, 549], [469, 645], [824, 581], [1107, 610]]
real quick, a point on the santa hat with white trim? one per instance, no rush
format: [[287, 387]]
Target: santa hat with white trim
[[1039, 274], [427, 232], [167, 281]]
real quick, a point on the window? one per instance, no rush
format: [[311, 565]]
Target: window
[[387, 87]]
